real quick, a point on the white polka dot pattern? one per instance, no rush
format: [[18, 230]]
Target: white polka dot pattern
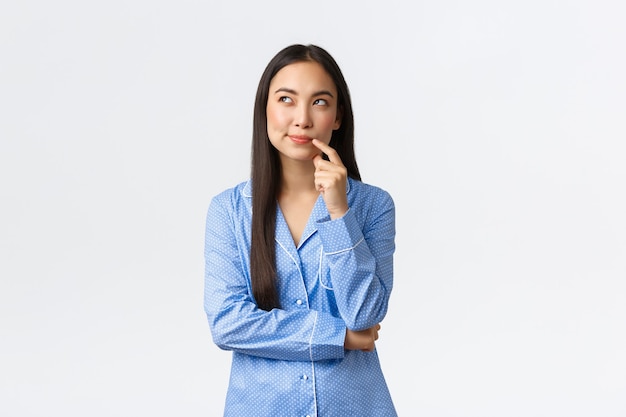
[[291, 361]]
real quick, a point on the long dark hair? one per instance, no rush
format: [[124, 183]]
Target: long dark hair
[[266, 168]]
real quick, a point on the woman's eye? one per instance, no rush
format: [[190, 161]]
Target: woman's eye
[[285, 99], [320, 102]]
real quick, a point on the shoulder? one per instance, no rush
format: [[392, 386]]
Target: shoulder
[[370, 203], [368, 194], [236, 192], [232, 200]]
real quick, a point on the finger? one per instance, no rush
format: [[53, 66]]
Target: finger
[[318, 161], [333, 156], [323, 165]]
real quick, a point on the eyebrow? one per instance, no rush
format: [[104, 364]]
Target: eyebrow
[[294, 92]]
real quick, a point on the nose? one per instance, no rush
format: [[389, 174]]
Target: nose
[[302, 118]]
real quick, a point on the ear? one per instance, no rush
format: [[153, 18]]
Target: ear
[[338, 118]]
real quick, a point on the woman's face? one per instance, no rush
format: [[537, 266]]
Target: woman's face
[[301, 106]]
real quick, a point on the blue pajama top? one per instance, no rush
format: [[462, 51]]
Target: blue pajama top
[[291, 361]]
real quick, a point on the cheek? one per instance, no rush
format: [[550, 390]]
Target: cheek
[[275, 118], [327, 124], [326, 120]]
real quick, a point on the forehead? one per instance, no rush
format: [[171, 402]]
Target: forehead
[[303, 76]]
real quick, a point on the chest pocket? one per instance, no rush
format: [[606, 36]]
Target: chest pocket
[[323, 272]]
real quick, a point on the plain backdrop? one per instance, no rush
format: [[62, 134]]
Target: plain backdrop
[[498, 127]]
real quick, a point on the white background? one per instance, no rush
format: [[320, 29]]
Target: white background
[[498, 127]]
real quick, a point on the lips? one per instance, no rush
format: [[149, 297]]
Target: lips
[[301, 139]]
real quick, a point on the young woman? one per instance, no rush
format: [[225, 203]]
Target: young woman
[[299, 259]]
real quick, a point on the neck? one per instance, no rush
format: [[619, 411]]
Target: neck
[[297, 177]]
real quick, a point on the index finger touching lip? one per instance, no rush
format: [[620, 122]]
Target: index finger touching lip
[[325, 148], [321, 145]]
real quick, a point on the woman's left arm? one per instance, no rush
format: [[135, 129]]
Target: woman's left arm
[[359, 248]]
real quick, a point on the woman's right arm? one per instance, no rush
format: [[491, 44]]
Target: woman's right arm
[[237, 323]]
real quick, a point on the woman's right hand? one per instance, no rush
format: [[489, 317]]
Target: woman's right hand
[[362, 339]]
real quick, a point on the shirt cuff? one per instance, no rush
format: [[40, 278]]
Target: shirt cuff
[[328, 338], [341, 234]]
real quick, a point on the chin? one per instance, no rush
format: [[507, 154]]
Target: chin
[[300, 156]]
